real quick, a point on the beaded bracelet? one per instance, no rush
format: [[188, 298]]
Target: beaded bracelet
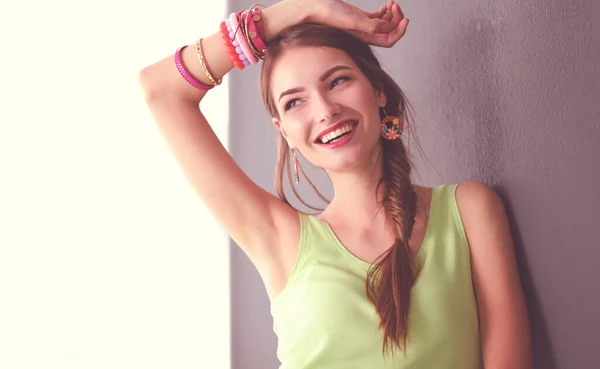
[[230, 48], [240, 38], [186, 75], [234, 43]]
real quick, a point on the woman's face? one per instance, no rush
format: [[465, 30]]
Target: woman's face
[[316, 88]]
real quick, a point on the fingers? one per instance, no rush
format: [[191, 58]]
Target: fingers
[[385, 26], [390, 39], [388, 16], [400, 31], [398, 16], [381, 12], [386, 40], [393, 17], [399, 10], [385, 20], [385, 12]]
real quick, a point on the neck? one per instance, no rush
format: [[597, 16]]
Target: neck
[[355, 201]]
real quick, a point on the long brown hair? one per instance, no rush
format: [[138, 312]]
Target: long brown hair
[[390, 279]]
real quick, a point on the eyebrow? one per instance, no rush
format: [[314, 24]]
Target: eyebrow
[[325, 75]]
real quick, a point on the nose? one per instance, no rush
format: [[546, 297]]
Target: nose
[[325, 109]]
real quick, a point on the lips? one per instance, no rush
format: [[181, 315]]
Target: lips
[[334, 127]]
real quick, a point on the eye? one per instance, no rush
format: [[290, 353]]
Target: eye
[[344, 78], [287, 105], [290, 104]]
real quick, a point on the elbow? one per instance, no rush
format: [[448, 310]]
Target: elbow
[[157, 87], [148, 87]]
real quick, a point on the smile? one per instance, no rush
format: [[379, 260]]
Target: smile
[[337, 134], [339, 137]]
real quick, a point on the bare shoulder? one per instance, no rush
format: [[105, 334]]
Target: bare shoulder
[[475, 196], [482, 212], [472, 197]]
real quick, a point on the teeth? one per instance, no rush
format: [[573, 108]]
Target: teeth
[[331, 135]]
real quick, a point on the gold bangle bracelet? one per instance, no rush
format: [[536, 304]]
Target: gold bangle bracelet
[[253, 48], [200, 53], [255, 7], [259, 54]]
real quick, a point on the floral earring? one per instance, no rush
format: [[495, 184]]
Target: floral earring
[[391, 127]]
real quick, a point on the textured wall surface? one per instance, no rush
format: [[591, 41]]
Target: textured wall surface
[[507, 93]]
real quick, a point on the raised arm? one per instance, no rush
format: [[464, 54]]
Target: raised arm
[[245, 210]]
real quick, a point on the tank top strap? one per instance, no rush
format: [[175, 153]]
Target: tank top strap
[[454, 214], [318, 242], [445, 243], [313, 237], [448, 215]]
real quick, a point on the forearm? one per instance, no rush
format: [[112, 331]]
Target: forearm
[[284, 14], [162, 77]]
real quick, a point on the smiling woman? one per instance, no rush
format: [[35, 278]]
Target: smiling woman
[[382, 278], [350, 98]]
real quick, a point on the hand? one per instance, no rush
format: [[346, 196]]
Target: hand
[[381, 28]]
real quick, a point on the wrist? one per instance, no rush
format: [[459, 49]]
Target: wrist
[[283, 14]]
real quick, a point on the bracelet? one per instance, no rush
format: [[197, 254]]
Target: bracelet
[[259, 23], [186, 75], [239, 53], [255, 31], [242, 43], [200, 53], [230, 48], [244, 25], [245, 48]]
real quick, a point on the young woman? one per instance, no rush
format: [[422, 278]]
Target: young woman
[[390, 274]]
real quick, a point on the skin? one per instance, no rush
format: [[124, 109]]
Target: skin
[[353, 212], [345, 94]]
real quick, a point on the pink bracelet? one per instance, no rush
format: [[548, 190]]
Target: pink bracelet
[[253, 32], [260, 25], [233, 20], [236, 46], [186, 75]]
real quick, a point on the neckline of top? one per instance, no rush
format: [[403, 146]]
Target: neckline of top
[[366, 265]]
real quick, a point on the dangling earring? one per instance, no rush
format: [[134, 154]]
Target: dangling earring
[[391, 127], [296, 177]]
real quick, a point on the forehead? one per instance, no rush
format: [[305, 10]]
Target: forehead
[[300, 66]]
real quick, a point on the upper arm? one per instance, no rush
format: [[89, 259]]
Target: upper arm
[[248, 213], [504, 325]]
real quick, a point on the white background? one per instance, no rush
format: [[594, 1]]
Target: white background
[[108, 259]]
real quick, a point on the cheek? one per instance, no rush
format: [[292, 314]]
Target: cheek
[[366, 103], [362, 98], [297, 132]]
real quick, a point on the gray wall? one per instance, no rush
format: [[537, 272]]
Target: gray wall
[[508, 93]]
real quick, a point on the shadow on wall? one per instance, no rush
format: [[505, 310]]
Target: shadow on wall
[[543, 354], [471, 87]]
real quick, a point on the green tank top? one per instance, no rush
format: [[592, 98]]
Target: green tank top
[[323, 318]]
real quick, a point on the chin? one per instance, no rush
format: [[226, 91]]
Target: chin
[[346, 161]]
